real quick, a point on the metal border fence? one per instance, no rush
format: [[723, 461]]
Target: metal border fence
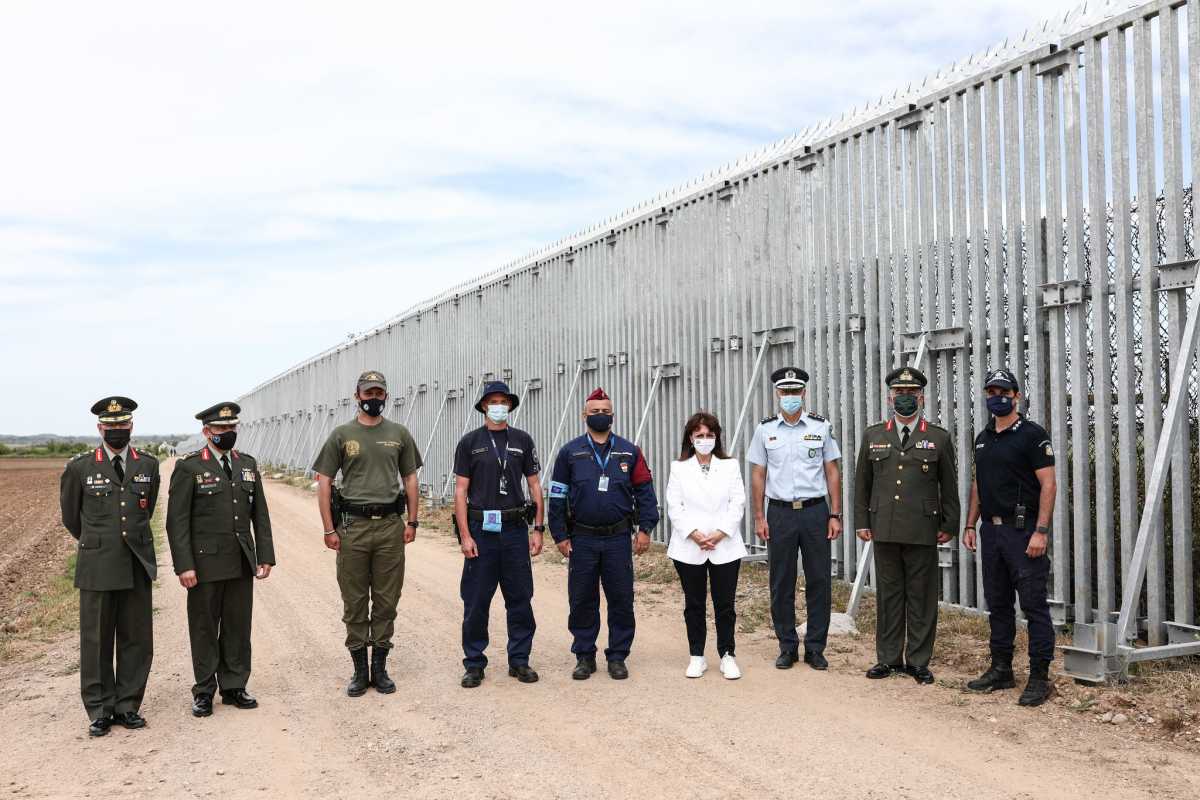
[[962, 216]]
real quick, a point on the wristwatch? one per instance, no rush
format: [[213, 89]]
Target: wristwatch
[[1041, 529], [412, 523], [540, 528]]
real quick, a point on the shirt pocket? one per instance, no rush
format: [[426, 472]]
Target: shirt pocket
[[209, 547], [250, 489], [777, 451]]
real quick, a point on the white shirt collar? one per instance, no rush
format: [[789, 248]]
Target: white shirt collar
[[215, 452], [123, 453]]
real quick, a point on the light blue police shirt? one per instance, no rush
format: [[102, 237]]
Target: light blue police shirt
[[794, 456]]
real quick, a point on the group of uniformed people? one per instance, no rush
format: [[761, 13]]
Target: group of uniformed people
[[601, 510]]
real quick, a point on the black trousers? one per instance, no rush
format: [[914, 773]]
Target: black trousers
[[800, 533], [119, 623], [697, 580], [1008, 571], [219, 623]]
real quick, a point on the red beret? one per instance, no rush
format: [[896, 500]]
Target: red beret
[[598, 394]]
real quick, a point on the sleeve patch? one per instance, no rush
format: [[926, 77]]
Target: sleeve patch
[[558, 489]]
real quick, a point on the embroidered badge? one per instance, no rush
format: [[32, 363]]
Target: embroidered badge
[[558, 489], [248, 475], [353, 448]]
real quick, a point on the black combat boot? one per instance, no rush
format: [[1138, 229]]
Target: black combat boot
[[360, 680], [998, 676], [379, 677], [1039, 688]]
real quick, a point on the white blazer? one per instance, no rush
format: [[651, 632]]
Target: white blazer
[[708, 502]]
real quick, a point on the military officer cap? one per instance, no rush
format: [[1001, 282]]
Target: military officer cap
[[1003, 379], [112, 410], [789, 378], [906, 378], [372, 379], [221, 414], [497, 387]]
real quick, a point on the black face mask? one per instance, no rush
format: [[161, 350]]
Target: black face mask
[[224, 441], [373, 407], [599, 422], [117, 438]]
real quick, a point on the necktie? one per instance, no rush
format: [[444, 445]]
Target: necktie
[[225, 466], [904, 436], [120, 470]]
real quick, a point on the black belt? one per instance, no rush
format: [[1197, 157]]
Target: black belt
[[370, 511], [507, 515], [796, 505], [624, 526], [1008, 522]]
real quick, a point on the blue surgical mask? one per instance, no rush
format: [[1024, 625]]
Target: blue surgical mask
[[791, 403], [1000, 405], [497, 412]]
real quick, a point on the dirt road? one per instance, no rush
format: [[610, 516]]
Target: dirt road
[[771, 734]]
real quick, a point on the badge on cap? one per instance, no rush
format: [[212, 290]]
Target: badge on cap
[[113, 407], [225, 412]]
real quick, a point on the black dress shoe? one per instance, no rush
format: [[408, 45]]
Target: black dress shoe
[[130, 719], [786, 659], [472, 677], [584, 668], [816, 661], [100, 726], [202, 705], [238, 697], [920, 674], [882, 671], [524, 673], [617, 670]]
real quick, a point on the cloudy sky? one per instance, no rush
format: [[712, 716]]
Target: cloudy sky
[[193, 197]]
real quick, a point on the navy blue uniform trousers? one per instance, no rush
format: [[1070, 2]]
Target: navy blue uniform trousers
[[1007, 570], [800, 533], [503, 561], [596, 561]]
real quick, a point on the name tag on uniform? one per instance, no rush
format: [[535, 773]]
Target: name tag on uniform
[[602, 486], [248, 475], [493, 522], [925, 444], [142, 478]]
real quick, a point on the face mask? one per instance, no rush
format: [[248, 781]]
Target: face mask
[[791, 403], [704, 446], [117, 438], [372, 407], [1000, 405], [497, 412], [224, 441], [599, 422], [905, 404]]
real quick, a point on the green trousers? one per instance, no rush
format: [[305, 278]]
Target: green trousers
[[219, 615], [119, 623], [370, 573], [906, 580]]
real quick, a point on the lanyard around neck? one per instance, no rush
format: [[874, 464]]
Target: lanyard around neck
[[603, 465], [496, 451]]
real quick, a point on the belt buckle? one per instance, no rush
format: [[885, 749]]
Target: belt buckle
[[797, 505], [376, 516], [997, 521]]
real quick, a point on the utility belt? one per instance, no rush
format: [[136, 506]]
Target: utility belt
[[507, 515], [617, 528], [1012, 522], [374, 511], [796, 505]]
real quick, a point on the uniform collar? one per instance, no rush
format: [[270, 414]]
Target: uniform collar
[[216, 454], [801, 421], [913, 427], [991, 426], [123, 453]]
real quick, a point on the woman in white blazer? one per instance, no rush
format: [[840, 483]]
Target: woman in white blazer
[[705, 502]]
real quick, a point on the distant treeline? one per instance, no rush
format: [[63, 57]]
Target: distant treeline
[[63, 448]]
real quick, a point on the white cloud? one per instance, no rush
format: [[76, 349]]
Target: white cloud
[[173, 161]]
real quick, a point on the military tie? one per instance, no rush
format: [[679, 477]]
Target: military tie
[[225, 466], [904, 436], [120, 470]]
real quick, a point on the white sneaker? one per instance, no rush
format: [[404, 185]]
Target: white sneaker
[[697, 666], [729, 668]]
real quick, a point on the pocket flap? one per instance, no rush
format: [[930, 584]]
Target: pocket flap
[[932, 508]]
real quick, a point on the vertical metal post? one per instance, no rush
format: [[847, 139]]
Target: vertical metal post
[[436, 421], [562, 418], [758, 362], [864, 558], [466, 424]]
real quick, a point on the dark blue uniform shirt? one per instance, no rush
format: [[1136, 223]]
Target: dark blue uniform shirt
[[479, 456], [1005, 465], [575, 485]]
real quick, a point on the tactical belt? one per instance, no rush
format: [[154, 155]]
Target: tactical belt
[[624, 526], [1009, 522], [370, 511], [507, 515], [796, 504]]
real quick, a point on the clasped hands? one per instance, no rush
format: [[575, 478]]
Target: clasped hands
[[707, 541]]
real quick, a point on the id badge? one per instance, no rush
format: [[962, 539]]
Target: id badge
[[504, 484], [603, 485], [492, 522]]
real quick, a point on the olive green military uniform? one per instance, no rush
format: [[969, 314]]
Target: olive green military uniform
[[114, 569], [370, 562], [906, 492], [211, 510]]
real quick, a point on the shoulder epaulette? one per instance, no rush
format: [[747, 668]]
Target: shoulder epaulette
[[765, 420], [194, 453], [817, 417], [935, 426]]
